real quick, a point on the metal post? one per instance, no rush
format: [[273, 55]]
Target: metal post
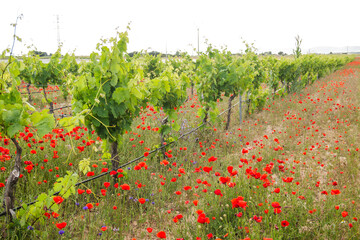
[[58, 30], [198, 42], [240, 108]]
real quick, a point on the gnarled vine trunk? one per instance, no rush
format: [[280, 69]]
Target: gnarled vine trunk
[[10, 187], [51, 104], [115, 160], [29, 93], [206, 115], [162, 137], [229, 112]]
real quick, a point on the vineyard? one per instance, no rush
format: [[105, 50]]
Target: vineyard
[[142, 147]]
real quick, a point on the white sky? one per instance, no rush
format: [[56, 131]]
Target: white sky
[[157, 24]]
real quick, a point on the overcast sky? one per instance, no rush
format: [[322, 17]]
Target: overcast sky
[[172, 25]]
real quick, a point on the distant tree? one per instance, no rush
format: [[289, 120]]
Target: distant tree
[[133, 53], [281, 53], [40, 53], [266, 53], [154, 53]]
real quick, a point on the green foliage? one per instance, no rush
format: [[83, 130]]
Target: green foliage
[[289, 72], [110, 88], [153, 66], [218, 72], [271, 65], [84, 165], [56, 72], [45, 202], [167, 91], [14, 111]]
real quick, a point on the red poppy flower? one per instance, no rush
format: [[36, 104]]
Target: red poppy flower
[[125, 187], [103, 192], [61, 225], [218, 192], [275, 205], [161, 234], [335, 192], [238, 202], [142, 200], [212, 159], [284, 223], [80, 191], [58, 199], [203, 219], [89, 206]]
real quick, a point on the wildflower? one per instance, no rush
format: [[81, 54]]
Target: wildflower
[[161, 234], [218, 192], [89, 206], [335, 192], [61, 225], [58, 199], [284, 223], [125, 187], [238, 202]]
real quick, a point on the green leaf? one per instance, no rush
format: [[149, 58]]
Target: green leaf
[[55, 207], [115, 67], [42, 197], [84, 165], [114, 80], [23, 221], [43, 122], [120, 95], [136, 92], [12, 115], [14, 129], [176, 126], [165, 129]]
